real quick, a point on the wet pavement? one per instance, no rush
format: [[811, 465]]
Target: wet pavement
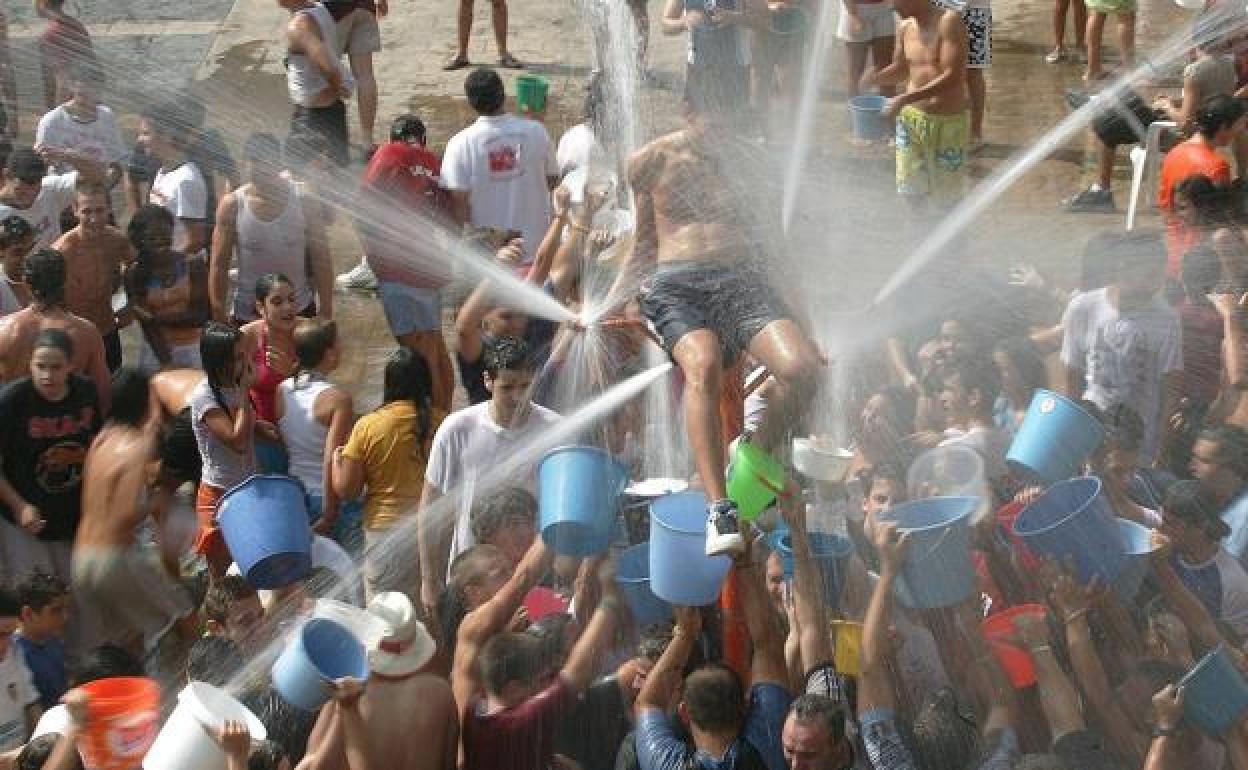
[[851, 229]]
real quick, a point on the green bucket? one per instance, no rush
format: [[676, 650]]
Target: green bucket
[[531, 93], [755, 481]]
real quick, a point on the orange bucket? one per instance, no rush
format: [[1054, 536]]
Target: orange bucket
[[1016, 661], [123, 718]]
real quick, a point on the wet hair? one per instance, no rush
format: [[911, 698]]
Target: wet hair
[[89, 187], [13, 229], [491, 511], [1232, 443], [484, 89], [975, 373], [453, 601], [711, 94], [1193, 503], [943, 738], [1204, 196], [216, 352], [45, 275], [314, 337], [407, 127], [131, 397], [823, 711], [148, 217], [509, 657], [654, 640], [268, 283], [174, 120], [180, 459], [35, 754], [55, 339], [303, 148], [10, 605], [1027, 358], [213, 659], [265, 755], [223, 592], [715, 698], [407, 378], [1124, 252], [87, 73], [552, 634], [1216, 113], [39, 589], [105, 662], [507, 353], [25, 165], [263, 147]]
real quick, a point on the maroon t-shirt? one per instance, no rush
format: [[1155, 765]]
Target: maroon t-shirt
[[520, 738], [402, 180], [1202, 351]]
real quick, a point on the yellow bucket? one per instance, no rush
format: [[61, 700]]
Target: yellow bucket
[[848, 636]]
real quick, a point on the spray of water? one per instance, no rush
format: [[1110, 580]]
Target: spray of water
[[816, 58]]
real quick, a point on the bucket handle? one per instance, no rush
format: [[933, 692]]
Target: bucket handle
[[939, 542]]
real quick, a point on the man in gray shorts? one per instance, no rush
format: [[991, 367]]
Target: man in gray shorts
[[706, 299], [359, 37]]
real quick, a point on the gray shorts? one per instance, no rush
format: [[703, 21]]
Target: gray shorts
[[409, 309], [128, 591], [732, 299], [359, 33]]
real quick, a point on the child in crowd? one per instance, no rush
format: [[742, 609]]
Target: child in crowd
[[45, 609], [16, 240], [20, 710]]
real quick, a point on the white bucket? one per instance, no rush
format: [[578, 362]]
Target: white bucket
[[184, 744]]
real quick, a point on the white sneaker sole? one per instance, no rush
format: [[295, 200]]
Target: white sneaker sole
[[725, 545]]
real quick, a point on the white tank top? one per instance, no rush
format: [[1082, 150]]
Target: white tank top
[[304, 435], [275, 246], [304, 80]]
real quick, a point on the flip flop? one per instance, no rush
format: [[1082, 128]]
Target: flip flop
[[456, 63], [507, 61]]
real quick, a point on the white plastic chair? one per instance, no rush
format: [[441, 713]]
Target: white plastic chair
[[1144, 164]]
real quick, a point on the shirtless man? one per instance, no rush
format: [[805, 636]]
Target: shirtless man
[[94, 254], [45, 277], [113, 578], [933, 121], [706, 298], [408, 712]]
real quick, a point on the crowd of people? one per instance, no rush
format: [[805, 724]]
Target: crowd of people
[[424, 513]]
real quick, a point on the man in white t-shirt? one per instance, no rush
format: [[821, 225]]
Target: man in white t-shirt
[[969, 391], [19, 700], [500, 170], [165, 132], [38, 197], [474, 442], [1122, 344], [84, 126]]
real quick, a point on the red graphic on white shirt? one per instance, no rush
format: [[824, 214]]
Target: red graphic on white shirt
[[503, 159]]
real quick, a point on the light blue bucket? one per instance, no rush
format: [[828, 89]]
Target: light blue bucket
[[867, 115], [319, 653], [1073, 522], [831, 553], [938, 571], [265, 524], [680, 571], [1137, 546], [1055, 440], [1215, 695], [632, 573], [579, 490]]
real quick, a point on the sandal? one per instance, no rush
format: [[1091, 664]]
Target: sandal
[[456, 63], [507, 61]]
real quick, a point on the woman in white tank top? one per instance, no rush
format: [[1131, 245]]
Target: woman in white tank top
[[315, 417], [304, 79]]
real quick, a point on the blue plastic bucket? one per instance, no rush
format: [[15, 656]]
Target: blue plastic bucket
[[1137, 545], [680, 571], [265, 524], [319, 653], [938, 571], [867, 115], [1056, 438], [578, 494], [632, 573], [1073, 522], [830, 552], [1215, 695]]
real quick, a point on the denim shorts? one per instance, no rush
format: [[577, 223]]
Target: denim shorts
[[409, 310]]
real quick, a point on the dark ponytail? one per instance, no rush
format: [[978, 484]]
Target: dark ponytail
[[407, 378], [216, 352]]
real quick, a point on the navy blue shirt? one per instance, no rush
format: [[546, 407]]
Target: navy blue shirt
[[46, 661], [660, 748]]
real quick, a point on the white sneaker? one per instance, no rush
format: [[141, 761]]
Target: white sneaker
[[723, 530], [360, 278]]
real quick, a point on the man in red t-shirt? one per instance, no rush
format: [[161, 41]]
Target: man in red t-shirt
[[402, 210], [1218, 121]]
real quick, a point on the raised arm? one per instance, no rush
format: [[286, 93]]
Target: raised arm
[[579, 668], [875, 682], [1057, 695], [320, 264], [224, 237], [656, 692], [767, 664], [814, 642], [1163, 752]]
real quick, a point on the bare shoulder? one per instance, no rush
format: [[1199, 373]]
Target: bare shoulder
[[68, 241], [646, 164], [84, 329], [951, 25]]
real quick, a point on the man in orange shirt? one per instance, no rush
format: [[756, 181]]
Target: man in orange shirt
[[1218, 121]]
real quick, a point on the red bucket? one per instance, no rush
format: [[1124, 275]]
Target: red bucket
[[1016, 661], [123, 718]]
